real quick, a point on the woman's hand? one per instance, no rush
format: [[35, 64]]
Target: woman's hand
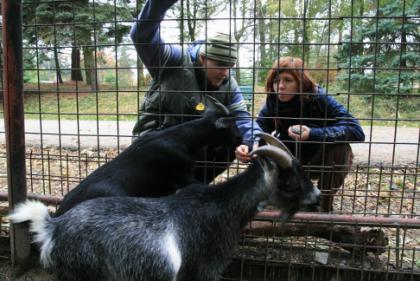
[[242, 152], [299, 132]]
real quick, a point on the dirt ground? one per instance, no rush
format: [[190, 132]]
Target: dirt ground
[[34, 274], [54, 171]]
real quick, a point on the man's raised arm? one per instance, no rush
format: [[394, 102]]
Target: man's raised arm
[[147, 39]]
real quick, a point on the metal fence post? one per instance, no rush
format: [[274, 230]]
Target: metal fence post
[[14, 124]]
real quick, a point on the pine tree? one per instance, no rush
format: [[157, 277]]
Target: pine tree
[[382, 54]]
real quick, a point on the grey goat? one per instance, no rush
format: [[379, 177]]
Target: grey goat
[[189, 235]]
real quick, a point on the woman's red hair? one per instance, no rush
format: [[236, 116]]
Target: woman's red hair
[[295, 67]]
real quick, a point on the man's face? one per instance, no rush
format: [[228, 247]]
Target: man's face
[[215, 71]]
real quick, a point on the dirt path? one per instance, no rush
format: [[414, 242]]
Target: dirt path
[[383, 145], [388, 145]]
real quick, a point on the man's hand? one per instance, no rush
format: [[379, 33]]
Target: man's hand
[[242, 152], [299, 132]]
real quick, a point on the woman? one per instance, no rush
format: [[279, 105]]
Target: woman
[[316, 128]]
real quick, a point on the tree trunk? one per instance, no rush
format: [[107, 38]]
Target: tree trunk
[[237, 38], [359, 21], [356, 49], [191, 22], [239, 31], [1, 78], [57, 66], [261, 34], [90, 69], [140, 74], [306, 39], [238, 70], [76, 73], [318, 48], [403, 62]]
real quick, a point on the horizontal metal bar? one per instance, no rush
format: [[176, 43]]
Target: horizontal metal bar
[[50, 200], [346, 219], [299, 217]]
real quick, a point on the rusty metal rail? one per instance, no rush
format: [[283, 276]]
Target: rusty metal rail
[[49, 200], [346, 219], [378, 221]]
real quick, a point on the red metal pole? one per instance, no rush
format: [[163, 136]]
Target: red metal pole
[[345, 219], [301, 217], [47, 199], [14, 124]]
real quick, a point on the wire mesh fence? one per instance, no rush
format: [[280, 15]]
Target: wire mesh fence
[[268, 256], [84, 86]]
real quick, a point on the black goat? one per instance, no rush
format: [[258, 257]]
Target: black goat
[[157, 163], [189, 235]]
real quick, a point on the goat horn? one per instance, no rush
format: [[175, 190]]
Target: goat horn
[[280, 156], [219, 105], [274, 141]]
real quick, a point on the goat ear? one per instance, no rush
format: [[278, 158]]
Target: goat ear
[[223, 109], [223, 123]]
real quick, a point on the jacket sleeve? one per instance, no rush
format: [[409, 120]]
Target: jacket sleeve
[[340, 124], [150, 46], [244, 120], [265, 121]]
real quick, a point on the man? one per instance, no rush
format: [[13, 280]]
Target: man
[[183, 77]]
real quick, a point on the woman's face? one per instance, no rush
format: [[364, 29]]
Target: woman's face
[[286, 86]]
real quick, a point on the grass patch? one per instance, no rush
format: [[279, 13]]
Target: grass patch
[[71, 101], [92, 106], [384, 111]]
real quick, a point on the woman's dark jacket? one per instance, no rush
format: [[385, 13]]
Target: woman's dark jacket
[[328, 120]]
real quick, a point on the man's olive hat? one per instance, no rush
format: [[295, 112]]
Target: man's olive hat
[[220, 47]]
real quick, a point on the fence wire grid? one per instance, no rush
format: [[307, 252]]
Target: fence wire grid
[[84, 84]]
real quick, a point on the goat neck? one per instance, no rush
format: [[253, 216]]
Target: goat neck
[[199, 131], [241, 195]]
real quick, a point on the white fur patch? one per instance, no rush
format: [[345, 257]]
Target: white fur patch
[[312, 197], [37, 213], [269, 175], [47, 246], [171, 249], [29, 211]]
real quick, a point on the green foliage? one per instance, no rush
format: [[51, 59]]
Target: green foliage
[[372, 58], [51, 27], [76, 22], [382, 54]]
